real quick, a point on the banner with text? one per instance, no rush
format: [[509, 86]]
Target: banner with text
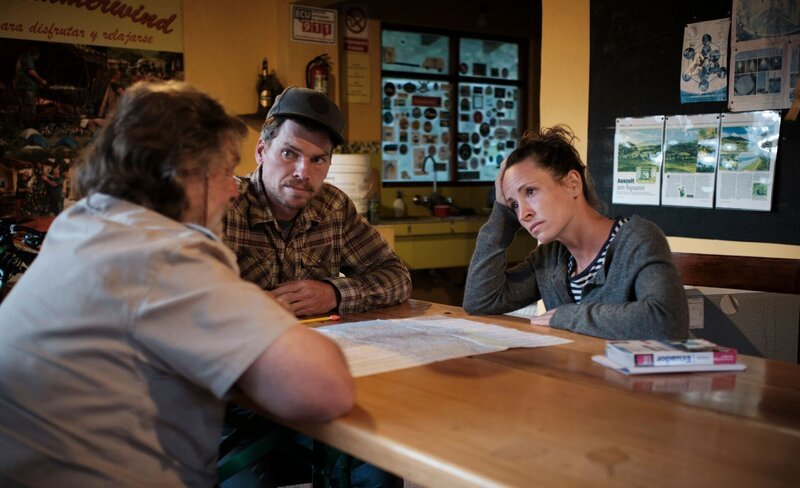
[[154, 25], [64, 64]]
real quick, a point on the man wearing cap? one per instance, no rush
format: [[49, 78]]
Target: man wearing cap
[[295, 235]]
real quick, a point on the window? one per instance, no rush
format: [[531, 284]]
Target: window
[[414, 52], [451, 108]]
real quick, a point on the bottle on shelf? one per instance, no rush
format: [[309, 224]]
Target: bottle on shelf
[[274, 85], [373, 211], [264, 89], [399, 205]]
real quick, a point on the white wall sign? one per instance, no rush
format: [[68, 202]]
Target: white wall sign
[[358, 78], [312, 24]]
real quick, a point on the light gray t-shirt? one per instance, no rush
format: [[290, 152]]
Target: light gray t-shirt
[[118, 348]]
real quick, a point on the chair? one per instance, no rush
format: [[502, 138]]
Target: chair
[[774, 275], [264, 438], [770, 275]]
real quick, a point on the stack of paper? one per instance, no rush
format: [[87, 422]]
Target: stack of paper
[[378, 346]]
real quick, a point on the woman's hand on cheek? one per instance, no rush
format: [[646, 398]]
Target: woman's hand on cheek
[[498, 184]]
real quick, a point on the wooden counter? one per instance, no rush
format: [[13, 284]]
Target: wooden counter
[[551, 417]]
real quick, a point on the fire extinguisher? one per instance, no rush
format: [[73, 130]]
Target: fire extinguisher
[[317, 73]]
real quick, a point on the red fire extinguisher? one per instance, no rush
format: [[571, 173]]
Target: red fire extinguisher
[[317, 73]]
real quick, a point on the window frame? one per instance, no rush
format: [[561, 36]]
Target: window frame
[[453, 78]]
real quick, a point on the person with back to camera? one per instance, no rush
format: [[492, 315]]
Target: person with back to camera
[[122, 341], [609, 278]]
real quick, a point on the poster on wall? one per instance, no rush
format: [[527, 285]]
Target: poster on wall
[[704, 64], [748, 149], [638, 144], [62, 69], [691, 149], [764, 54]]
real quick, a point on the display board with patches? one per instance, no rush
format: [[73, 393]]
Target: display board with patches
[[451, 106]]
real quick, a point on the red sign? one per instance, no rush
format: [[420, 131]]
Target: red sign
[[356, 45], [426, 101]]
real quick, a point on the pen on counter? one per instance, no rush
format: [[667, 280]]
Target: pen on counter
[[312, 320]]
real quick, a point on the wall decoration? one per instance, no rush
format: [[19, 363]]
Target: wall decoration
[[704, 64], [415, 159], [691, 151], [313, 24], [486, 138], [764, 54], [481, 91], [748, 150], [638, 147], [725, 158], [62, 69]]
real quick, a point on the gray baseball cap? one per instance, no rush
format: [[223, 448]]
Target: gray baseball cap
[[310, 104]]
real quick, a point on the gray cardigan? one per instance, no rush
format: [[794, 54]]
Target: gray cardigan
[[636, 295]]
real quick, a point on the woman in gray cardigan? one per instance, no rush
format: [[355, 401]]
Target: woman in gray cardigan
[[610, 278]]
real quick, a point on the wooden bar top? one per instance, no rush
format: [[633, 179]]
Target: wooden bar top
[[551, 417]]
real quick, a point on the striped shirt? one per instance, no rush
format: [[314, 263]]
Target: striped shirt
[[578, 282], [328, 238]]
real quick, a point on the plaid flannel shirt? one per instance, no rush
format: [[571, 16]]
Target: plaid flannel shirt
[[328, 238]]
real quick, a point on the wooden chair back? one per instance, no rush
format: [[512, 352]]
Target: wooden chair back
[[774, 275], [770, 275]]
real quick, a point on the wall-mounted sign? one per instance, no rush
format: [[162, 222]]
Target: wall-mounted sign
[[356, 37], [312, 24], [67, 64], [154, 25]]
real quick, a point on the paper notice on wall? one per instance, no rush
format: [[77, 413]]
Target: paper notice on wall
[[746, 171], [764, 54], [358, 77], [691, 148], [638, 144], [704, 65]]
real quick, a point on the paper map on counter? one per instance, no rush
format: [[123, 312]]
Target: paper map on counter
[[378, 346]]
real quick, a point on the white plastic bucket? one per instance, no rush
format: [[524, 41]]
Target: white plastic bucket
[[350, 173]]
